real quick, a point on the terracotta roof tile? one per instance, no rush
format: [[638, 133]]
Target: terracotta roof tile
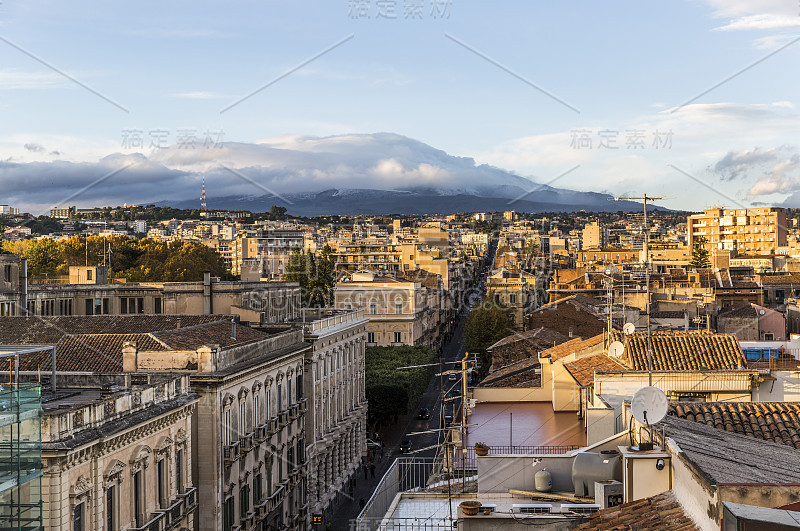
[[777, 422], [571, 347], [661, 512], [680, 350], [583, 369]]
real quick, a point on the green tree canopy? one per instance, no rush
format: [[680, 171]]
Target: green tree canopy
[[700, 258], [486, 324], [391, 391]]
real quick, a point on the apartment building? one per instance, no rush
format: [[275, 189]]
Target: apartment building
[[750, 231], [117, 453], [89, 293], [515, 290], [397, 310], [247, 429], [271, 248], [336, 424], [594, 235]]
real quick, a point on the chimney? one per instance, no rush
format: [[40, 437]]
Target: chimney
[[233, 329], [179, 322], [23, 301]]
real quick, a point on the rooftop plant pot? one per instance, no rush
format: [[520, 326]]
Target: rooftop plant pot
[[471, 507]]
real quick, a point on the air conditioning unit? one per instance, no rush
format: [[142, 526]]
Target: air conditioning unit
[[580, 508], [531, 508]]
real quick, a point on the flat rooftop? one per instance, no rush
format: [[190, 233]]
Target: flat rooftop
[[532, 424]]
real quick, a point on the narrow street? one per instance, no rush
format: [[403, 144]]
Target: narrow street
[[453, 351]]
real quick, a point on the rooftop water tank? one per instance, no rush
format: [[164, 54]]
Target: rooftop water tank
[[543, 480], [588, 467]]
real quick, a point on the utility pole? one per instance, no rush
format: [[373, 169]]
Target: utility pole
[[644, 199]]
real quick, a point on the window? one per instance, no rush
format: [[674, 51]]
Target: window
[[179, 471], [161, 487], [88, 274], [157, 305], [244, 501], [77, 518], [299, 387], [138, 506], [290, 459], [258, 481], [280, 401], [373, 308], [370, 337], [7, 273], [769, 336], [256, 410], [398, 337], [269, 482], [300, 453], [110, 509], [267, 410], [226, 428], [227, 514], [289, 392], [398, 307], [512, 298], [242, 417]]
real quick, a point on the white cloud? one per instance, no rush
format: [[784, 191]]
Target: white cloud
[[756, 14], [11, 79]]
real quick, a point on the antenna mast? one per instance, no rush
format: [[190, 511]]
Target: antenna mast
[[644, 199], [203, 196]]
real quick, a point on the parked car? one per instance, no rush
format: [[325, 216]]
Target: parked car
[[447, 420], [424, 413], [372, 444], [405, 446], [453, 377]]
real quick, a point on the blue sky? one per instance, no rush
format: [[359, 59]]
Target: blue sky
[[624, 65]]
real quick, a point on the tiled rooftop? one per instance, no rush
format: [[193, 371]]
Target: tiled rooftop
[[777, 422], [94, 343], [571, 347], [583, 369], [679, 350], [661, 512], [521, 373], [577, 314]]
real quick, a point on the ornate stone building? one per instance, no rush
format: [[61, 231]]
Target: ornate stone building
[[117, 453], [336, 423]]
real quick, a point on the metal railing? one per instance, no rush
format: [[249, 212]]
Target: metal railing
[[404, 524], [467, 459], [405, 473]]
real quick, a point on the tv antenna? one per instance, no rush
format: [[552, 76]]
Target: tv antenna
[[644, 199]]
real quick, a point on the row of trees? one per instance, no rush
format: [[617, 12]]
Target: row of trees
[[391, 392], [316, 275], [133, 260]]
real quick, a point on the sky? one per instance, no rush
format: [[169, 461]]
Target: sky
[[692, 100]]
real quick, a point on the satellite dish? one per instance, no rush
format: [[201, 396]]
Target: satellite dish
[[616, 349], [649, 405], [629, 329], [761, 312]]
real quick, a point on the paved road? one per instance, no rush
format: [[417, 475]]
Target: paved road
[[348, 508]]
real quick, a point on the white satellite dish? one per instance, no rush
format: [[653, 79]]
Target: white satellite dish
[[629, 329], [649, 405], [616, 349]]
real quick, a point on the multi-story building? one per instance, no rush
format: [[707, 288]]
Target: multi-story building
[[117, 450], [397, 310], [594, 235], [515, 290], [746, 231], [89, 293], [336, 422], [271, 248], [62, 212]]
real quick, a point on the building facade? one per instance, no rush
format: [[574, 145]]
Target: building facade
[[336, 424], [746, 231]]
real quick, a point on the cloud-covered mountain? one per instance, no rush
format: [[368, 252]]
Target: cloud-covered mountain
[[347, 174]]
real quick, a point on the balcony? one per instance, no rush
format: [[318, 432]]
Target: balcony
[[189, 498], [231, 453], [263, 508], [246, 443], [283, 417], [175, 513], [157, 522], [295, 411], [249, 522], [262, 432]]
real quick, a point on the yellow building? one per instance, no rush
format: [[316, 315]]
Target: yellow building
[[747, 231]]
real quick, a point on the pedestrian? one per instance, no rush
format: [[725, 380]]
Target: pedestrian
[[372, 470], [361, 503], [366, 472]]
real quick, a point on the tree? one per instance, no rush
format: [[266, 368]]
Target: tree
[[277, 212], [391, 391], [486, 324], [699, 255], [43, 257], [324, 277]]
